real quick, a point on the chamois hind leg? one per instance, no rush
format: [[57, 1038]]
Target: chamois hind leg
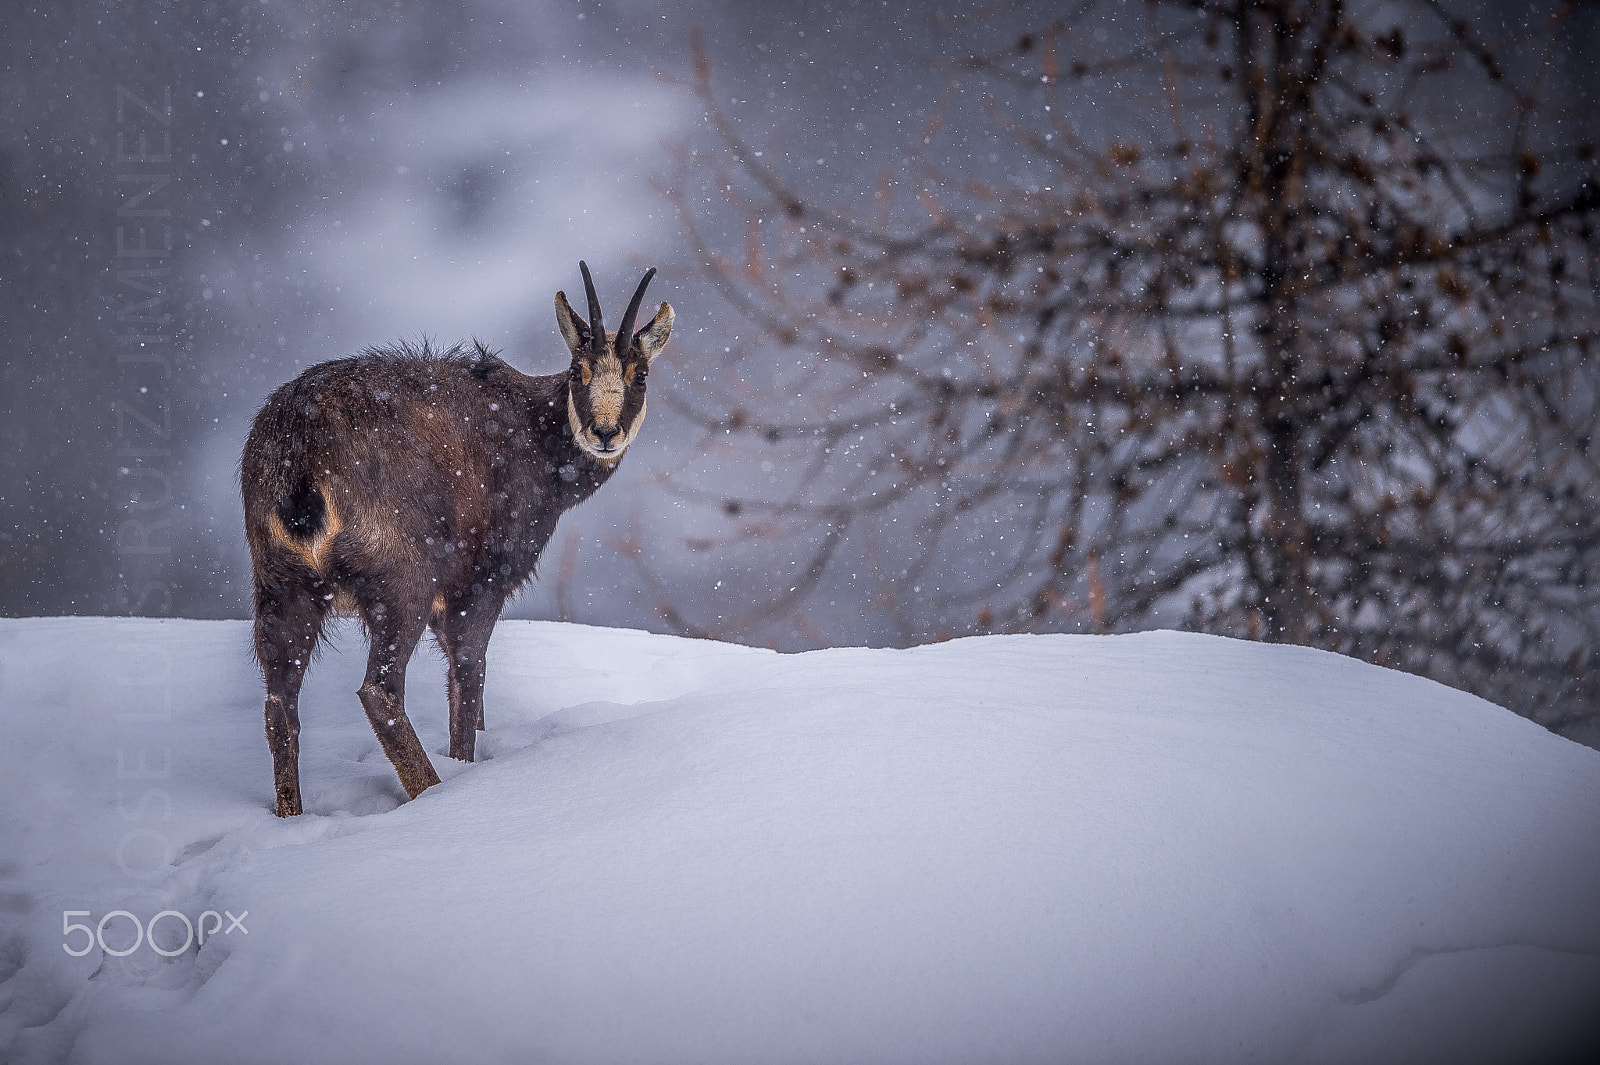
[[463, 631], [289, 616], [393, 629]]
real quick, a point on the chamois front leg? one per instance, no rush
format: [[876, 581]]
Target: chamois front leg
[[394, 634], [463, 633]]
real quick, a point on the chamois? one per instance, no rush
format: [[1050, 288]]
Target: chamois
[[416, 490]]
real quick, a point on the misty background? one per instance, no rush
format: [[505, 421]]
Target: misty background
[[337, 175]]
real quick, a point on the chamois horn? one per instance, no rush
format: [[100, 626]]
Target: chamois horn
[[597, 327], [625, 331]]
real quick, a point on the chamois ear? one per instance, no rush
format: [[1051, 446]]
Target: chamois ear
[[573, 331], [653, 337]]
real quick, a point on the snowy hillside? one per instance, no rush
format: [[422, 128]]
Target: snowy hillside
[[1150, 848]]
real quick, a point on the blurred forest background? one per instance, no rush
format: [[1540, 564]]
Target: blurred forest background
[[1270, 319]]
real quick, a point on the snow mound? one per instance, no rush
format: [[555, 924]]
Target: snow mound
[[1148, 848]]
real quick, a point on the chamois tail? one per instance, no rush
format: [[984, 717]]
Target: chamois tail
[[302, 510]]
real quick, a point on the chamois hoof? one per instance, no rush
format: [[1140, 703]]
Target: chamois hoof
[[418, 780]]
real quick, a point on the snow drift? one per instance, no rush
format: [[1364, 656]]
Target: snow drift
[[1150, 848]]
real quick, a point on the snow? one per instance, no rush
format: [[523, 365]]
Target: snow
[[1145, 848]]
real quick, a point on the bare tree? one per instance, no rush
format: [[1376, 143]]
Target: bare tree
[[1275, 319]]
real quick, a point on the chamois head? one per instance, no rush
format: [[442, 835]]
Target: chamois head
[[605, 387]]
